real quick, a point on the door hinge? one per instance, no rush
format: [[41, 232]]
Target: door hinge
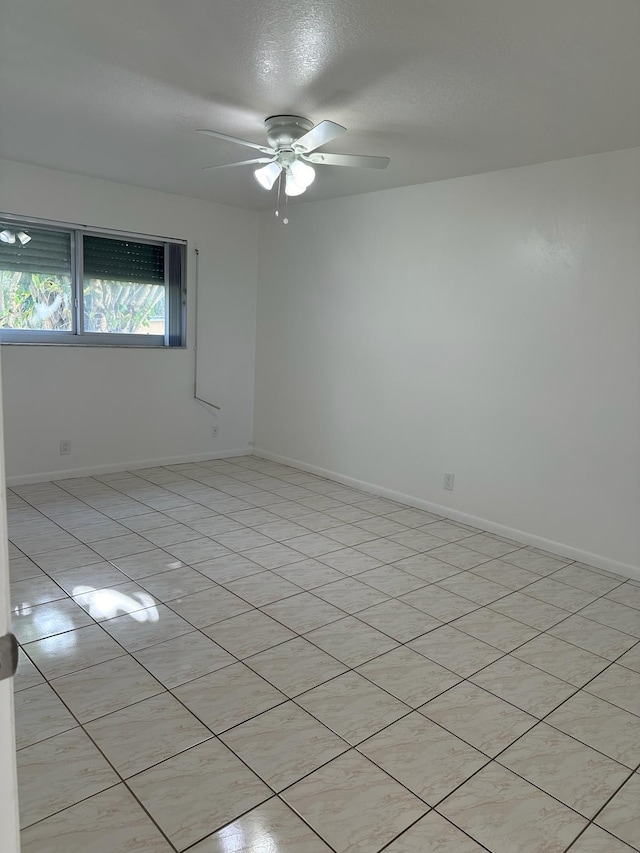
[[8, 656]]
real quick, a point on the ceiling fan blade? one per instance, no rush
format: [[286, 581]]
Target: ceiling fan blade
[[235, 139], [361, 161], [319, 135], [240, 163]]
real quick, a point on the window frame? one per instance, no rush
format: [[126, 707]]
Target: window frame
[[175, 317]]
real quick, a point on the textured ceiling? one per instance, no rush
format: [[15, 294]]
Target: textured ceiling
[[117, 88]]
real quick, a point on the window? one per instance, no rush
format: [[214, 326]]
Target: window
[[64, 285]]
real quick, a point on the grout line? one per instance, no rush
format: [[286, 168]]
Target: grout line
[[601, 828], [442, 817]]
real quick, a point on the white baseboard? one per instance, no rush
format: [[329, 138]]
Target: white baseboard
[[568, 551], [68, 473]]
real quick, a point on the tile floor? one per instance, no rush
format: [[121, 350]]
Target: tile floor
[[235, 656]]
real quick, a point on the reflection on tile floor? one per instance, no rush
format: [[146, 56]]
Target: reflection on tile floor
[[238, 657]]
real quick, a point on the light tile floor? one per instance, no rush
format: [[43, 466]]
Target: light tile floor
[[237, 657]]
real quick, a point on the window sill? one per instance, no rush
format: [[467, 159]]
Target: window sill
[[89, 345]]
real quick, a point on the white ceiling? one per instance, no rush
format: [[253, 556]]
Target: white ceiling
[[117, 88]]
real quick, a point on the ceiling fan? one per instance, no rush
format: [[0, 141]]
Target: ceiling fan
[[291, 152]]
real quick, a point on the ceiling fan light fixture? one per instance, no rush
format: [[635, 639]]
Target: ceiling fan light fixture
[[7, 236], [292, 188], [303, 174], [267, 175], [23, 238], [293, 143]]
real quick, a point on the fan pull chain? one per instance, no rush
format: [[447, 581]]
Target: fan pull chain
[[279, 194], [278, 186]]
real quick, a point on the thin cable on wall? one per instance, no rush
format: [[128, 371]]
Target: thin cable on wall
[[196, 396]]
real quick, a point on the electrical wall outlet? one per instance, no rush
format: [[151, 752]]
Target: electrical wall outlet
[[214, 430], [448, 482], [65, 447]]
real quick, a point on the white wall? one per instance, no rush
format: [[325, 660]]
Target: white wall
[[130, 406], [486, 326]]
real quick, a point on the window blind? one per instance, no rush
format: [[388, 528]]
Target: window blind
[[174, 307], [47, 253], [123, 260]]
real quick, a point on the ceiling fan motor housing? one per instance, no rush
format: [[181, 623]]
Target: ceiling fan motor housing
[[283, 131]]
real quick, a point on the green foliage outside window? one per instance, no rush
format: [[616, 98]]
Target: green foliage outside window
[[44, 303], [123, 307], [35, 301]]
